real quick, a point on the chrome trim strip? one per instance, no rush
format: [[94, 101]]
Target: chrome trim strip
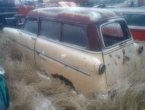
[[47, 57]]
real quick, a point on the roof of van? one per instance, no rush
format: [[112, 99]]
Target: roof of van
[[74, 14]]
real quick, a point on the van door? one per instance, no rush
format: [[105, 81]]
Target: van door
[[23, 40], [50, 31], [66, 58], [28, 36], [121, 55]]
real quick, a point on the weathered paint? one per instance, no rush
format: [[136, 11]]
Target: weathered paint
[[22, 42], [122, 62], [74, 15], [80, 66]]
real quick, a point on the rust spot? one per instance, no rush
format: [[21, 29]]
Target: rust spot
[[110, 55], [125, 59], [123, 51], [118, 56], [135, 66], [115, 63], [65, 80], [140, 49]]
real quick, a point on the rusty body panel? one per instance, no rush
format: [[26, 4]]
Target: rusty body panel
[[93, 68], [121, 63]]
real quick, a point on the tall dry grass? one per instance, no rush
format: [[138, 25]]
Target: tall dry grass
[[24, 83], [30, 91], [2, 43]]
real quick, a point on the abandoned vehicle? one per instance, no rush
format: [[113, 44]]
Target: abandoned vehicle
[[92, 49]]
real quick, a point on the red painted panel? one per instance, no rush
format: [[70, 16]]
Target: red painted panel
[[138, 34], [24, 10]]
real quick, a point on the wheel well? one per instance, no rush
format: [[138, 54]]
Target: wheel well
[[65, 80]]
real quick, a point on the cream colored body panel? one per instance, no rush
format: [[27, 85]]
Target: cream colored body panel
[[81, 68], [22, 42], [122, 62]]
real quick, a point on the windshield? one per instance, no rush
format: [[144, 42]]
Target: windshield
[[114, 32]]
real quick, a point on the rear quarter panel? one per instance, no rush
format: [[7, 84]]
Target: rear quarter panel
[[81, 68]]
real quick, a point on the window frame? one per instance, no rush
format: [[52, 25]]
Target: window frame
[[61, 33], [84, 27], [116, 44], [37, 20], [45, 37]]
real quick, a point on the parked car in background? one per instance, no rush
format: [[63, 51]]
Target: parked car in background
[[8, 13], [27, 6], [141, 7], [90, 49], [23, 10], [135, 18], [60, 4]]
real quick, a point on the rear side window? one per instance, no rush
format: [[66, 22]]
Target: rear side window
[[31, 25], [50, 29], [114, 32], [135, 19], [75, 35]]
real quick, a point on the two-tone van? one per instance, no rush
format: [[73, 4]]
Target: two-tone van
[[91, 49]]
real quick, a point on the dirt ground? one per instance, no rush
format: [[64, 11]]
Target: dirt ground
[[30, 90]]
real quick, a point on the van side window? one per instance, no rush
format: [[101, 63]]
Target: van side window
[[50, 29], [74, 35], [114, 32], [31, 25]]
